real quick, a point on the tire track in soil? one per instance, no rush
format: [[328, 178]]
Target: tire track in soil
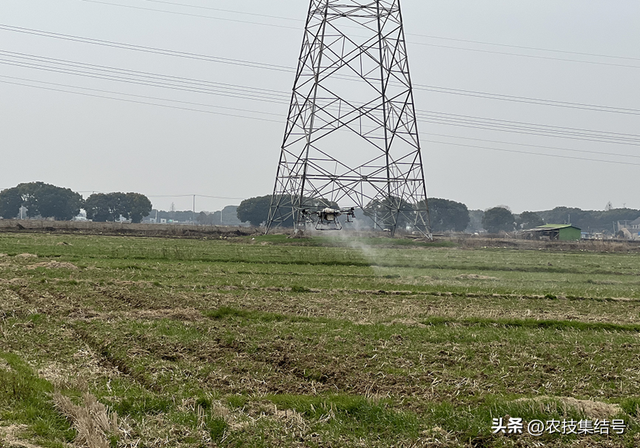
[[114, 360]]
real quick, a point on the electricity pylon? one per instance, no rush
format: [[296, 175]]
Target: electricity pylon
[[351, 137]]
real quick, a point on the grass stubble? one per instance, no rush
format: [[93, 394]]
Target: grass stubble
[[268, 341]]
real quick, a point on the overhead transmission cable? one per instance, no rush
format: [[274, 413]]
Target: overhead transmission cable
[[560, 156], [144, 102], [428, 36], [139, 77], [273, 96], [127, 72], [256, 112], [413, 42], [190, 15], [209, 8], [191, 103], [528, 100], [537, 146], [259, 65], [510, 125], [183, 196], [162, 51], [429, 141]]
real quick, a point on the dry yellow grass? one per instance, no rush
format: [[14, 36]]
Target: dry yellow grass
[[590, 408], [94, 423], [53, 265], [10, 437]]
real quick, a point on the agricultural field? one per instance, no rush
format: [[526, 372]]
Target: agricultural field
[[267, 341]]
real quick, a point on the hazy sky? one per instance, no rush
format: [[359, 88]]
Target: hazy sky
[[219, 133]]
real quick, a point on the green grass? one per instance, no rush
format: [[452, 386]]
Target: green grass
[[226, 312], [534, 323], [353, 415], [272, 341], [142, 406], [26, 399]]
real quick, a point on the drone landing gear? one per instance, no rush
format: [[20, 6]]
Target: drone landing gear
[[328, 225]]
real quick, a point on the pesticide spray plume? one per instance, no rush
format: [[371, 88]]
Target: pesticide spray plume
[[358, 240]]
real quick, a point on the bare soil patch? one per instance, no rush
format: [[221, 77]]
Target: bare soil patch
[[179, 314], [53, 265], [4, 365], [14, 282], [476, 277], [128, 229]]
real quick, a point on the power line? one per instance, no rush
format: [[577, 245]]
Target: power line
[[254, 93], [278, 115], [192, 15], [427, 36], [429, 141], [215, 197], [141, 78], [135, 73], [190, 196], [143, 102], [259, 65], [224, 10], [222, 92], [135, 96], [154, 50], [533, 153], [273, 96], [523, 47], [520, 47], [170, 196], [521, 132], [537, 146], [473, 121], [478, 50], [528, 100], [413, 42]]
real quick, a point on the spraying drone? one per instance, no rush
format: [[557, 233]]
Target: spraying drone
[[327, 218]]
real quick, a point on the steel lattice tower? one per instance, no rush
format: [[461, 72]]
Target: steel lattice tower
[[351, 137]]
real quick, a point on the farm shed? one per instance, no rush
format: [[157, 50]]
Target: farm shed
[[561, 232]]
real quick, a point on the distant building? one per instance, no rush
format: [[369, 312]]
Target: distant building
[[631, 229], [559, 232]]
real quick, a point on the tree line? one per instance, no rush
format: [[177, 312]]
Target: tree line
[[445, 215], [63, 204], [499, 219], [452, 216], [43, 200]]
